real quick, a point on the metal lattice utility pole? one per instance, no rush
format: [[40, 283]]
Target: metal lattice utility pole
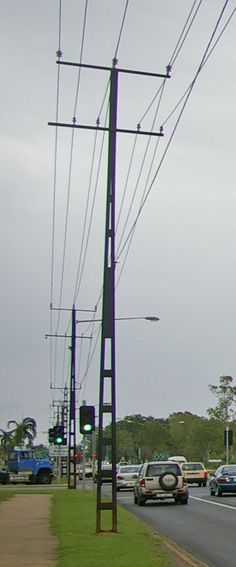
[[107, 408], [65, 413], [107, 368], [72, 413]]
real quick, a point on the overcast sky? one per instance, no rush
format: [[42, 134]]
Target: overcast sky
[[181, 262]]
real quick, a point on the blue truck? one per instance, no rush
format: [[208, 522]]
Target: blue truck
[[23, 466]]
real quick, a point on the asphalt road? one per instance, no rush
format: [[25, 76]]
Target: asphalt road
[[205, 527]]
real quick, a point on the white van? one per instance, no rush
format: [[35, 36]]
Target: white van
[[178, 459]]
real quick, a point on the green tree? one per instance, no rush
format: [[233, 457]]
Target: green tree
[[225, 393], [6, 441], [205, 440], [23, 432]]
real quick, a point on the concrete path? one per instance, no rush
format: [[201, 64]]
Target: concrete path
[[25, 535]]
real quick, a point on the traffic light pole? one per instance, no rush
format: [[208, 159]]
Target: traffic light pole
[[72, 413], [59, 464]]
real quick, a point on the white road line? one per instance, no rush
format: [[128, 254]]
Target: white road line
[[194, 498], [214, 503]]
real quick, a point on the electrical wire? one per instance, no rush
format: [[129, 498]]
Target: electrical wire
[[204, 63], [121, 29], [80, 270], [183, 35], [175, 127], [141, 169], [81, 265], [181, 40], [70, 169]]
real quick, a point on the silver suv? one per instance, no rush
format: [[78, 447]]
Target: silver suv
[[160, 480]]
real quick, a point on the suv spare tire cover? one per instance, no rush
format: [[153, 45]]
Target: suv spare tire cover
[[168, 480]]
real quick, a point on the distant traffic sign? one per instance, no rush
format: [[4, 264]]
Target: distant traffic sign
[[56, 450]]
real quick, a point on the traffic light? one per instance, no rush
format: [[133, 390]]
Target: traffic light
[[86, 419], [51, 435], [59, 435]]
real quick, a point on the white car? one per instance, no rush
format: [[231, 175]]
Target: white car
[[88, 471], [178, 459], [161, 480], [127, 476]]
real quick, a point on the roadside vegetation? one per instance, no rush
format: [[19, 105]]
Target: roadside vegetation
[[141, 438], [74, 523], [198, 438]]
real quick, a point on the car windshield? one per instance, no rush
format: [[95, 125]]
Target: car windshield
[[156, 469]]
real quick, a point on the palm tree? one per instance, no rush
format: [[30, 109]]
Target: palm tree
[[6, 440], [24, 431]]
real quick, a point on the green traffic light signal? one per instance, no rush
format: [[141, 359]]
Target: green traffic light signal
[[87, 427], [87, 419], [58, 440], [59, 435]]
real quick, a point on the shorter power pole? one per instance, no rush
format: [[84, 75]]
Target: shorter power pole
[[71, 429], [72, 416]]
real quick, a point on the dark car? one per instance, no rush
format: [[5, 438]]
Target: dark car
[[223, 480], [106, 473]]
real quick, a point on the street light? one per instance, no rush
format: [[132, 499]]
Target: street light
[[151, 318]]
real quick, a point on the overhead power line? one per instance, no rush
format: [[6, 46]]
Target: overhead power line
[[205, 56]]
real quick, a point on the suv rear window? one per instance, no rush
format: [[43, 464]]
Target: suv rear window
[[156, 469]]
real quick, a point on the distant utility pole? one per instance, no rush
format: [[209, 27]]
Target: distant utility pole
[[72, 413], [107, 365], [71, 427]]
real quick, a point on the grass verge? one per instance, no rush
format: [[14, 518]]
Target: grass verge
[[73, 522], [6, 495]]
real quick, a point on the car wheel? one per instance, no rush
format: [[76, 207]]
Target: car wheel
[[135, 499], [184, 500], [218, 491], [141, 501], [199, 484], [168, 481], [181, 499], [212, 492], [43, 478]]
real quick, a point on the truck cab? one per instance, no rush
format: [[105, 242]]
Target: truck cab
[[23, 466]]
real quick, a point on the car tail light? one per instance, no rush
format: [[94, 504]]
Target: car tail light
[[142, 482], [120, 477], [223, 479], [185, 480]]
